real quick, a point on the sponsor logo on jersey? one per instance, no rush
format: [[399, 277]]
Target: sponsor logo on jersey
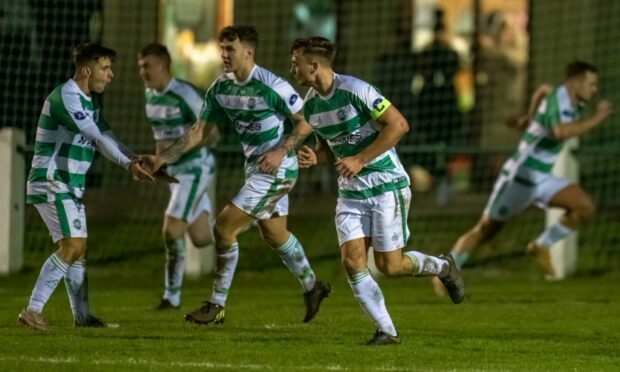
[[293, 99], [79, 115], [242, 127], [85, 141], [351, 139]]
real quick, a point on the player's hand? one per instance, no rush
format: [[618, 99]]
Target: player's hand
[[270, 161], [150, 163], [306, 157], [349, 167], [518, 122], [603, 109], [161, 174], [138, 173]]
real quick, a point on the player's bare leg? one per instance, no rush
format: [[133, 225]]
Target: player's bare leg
[[579, 209], [200, 232], [482, 232]]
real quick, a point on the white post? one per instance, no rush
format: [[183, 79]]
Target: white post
[[564, 253], [12, 199], [201, 261]]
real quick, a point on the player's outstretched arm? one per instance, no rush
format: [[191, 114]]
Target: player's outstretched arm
[[394, 125], [520, 123], [271, 160], [193, 137], [578, 128]]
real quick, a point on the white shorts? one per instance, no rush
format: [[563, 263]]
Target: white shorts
[[264, 196], [383, 218], [64, 218], [189, 198], [512, 195]]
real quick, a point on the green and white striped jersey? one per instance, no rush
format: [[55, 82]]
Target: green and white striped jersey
[[257, 108], [538, 147], [172, 112], [345, 119], [69, 130]]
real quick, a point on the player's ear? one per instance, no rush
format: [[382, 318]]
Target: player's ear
[[315, 66], [86, 70]]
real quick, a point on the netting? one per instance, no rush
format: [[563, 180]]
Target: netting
[[457, 74]]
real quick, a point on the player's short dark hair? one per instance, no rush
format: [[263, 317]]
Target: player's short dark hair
[[245, 33], [88, 52], [317, 46], [579, 68], [158, 50]]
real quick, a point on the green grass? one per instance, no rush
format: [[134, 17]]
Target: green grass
[[510, 320]]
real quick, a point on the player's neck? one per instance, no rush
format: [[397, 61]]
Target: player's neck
[[242, 73], [82, 83], [325, 82], [164, 84], [572, 94]]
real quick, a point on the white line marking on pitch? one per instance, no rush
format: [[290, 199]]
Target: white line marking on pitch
[[210, 365]]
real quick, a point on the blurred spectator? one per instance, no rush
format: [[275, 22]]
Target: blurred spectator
[[500, 79], [438, 120], [395, 70]]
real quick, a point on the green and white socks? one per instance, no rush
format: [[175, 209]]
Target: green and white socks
[[52, 272], [425, 265], [369, 295], [76, 283], [225, 270], [294, 258], [553, 234], [175, 268]]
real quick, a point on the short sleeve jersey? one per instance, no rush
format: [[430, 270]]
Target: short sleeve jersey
[[172, 112], [257, 108], [538, 148], [346, 120], [62, 156]]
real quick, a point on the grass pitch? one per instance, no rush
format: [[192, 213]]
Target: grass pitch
[[511, 320]]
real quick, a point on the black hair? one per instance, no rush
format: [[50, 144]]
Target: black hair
[[88, 52], [316, 45], [158, 50], [245, 34], [579, 68]]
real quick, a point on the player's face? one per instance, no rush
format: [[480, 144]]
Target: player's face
[[587, 86], [100, 75], [235, 54], [152, 70], [302, 69]]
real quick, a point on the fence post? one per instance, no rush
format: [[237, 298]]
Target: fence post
[[564, 252], [12, 199]]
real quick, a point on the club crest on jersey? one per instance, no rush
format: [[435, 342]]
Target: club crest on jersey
[[79, 115], [342, 115], [77, 224], [251, 103], [293, 99]]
